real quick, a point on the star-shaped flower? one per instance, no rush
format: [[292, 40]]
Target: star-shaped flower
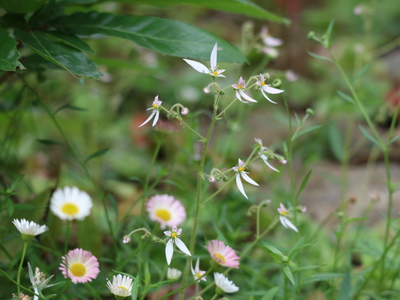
[[240, 88], [267, 88], [239, 169], [174, 233], [155, 112], [283, 214], [197, 273], [213, 70], [263, 156]]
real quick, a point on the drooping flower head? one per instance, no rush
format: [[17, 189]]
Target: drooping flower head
[[270, 43], [70, 203], [224, 283], [155, 112], [241, 173], [213, 70], [240, 87], [80, 266], [29, 229], [166, 210], [197, 273], [121, 285], [173, 274], [263, 156], [222, 254], [174, 234], [267, 88], [283, 217]]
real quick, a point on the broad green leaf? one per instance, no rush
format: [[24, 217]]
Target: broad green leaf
[[71, 40], [8, 52], [345, 288], [345, 97], [288, 273], [320, 57], [303, 184], [68, 58], [368, 136], [271, 293], [243, 7], [97, 154], [168, 37]]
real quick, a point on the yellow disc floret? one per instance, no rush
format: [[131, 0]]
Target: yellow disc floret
[[163, 214], [219, 258], [78, 270], [70, 209]]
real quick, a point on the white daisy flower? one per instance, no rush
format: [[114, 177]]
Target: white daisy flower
[[263, 156], [173, 274], [283, 214], [174, 233], [120, 285], [213, 70], [70, 203], [240, 173], [224, 283], [155, 112], [29, 229]]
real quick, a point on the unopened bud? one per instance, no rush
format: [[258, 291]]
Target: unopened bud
[[225, 179], [185, 111], [283, 161], [311, 35], [211, 179], [126, 239], [285, 259], [309, 111], [221, 92], [206, 90], [277, 83]]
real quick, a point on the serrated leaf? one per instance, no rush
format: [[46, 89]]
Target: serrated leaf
[[271, 293], [165, 36], [288, 273], [368, 136], [8, 52], [66, 57], [303, 183], [50, 142], [346, 97], [320, 57], [97, 154], [243, 7]]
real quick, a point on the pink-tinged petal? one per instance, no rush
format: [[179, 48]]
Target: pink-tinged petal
[[167, 233], [156, 118], [247, 178], [247, 97], [272, 42], [241, 163], [182, 246], [266, 97], [199, 67], [272, 90], [213, 58], [169, 251], [240, 185], [265, 159], [149, 118]]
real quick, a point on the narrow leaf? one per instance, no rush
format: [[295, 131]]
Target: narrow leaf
[[271, 293], [345, 287], [135, 288], [288, 273], [322, 277], [97, 154], [335, 141], [307, 130], [71, 40], [320, 57], [16, 182], [303, 184], [147, 276], [8, 52], [50, 142], [70, 106], [361, 72], [10, 207], [394, 139], [368, 136], [346, 97]]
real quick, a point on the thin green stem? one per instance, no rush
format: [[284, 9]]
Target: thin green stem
[[20, 267], [202, 139], [217, 192]]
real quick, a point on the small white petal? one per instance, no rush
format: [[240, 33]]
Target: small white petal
[[198, 264], [285, 222], [265, 159], [266, 97], [182, 246], [199, 67], [272, 90], [272, 42], [247, 97], [169, 250], [213, 58], [156, 117], [149, 118], [247, 178], [240, 185], [240, 98]]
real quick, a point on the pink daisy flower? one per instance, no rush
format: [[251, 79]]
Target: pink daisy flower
[[222, 254], [166, 210], [79, 265]]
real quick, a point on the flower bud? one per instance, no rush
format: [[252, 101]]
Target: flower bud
[[126, 239], [311, 35], [221, 93], [277, 83], [309, 111], [185, 111], [211, 179], [206, 90]]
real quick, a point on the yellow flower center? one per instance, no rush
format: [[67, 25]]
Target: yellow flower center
[[219, 258], [240, 169], [122, 288], [283, 212], [174, 234], [155, 105], [262, 83], [198, 275], [239, 86], [78, 270], [215, 73], [70, 209], [163, 214]]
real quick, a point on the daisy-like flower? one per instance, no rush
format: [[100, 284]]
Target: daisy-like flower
[[174, 234], [39, 281], [29, 229], [224, 283], [70, 203], [120, 286], [79, 265], [166, 210], [155, 112], [222, 254], [267, 88], [213, 70], [270, 43], [283, 217], [173, 274], [239, 169], [197, 273], [263, 156], [240, 88]]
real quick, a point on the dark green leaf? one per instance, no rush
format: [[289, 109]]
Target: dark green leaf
[[168, 37], [71, 40], [70, 106], [271, 293], [288, 273], [243, 7], [97, 154], [25, 206], [319, 56], [113, 203], [8, 52], [68, 58], [78, 2], [345, 288], [10, 207], [368, 136], [345, 97], [303, 184], [50, 142], [47, 12]]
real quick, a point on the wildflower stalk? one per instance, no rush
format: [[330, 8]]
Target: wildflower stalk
[[20, 267], [218, 191]]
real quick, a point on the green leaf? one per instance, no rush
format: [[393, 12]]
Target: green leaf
[[361, 72], [288, 273], [147, 276], [346, 97], [320, 57], [345, 288], [135, 288], [303, 184], [327, 40], [10, 207], [271, 293], [8, 52], [70, 106], [394, 139], [322, 277], [71, 40], [167, 37], [97, 154], [68, 58], [25, 206], [307, 130], [50, 142], [243, 7], [368, 136], [335, 140], [15, 183]]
